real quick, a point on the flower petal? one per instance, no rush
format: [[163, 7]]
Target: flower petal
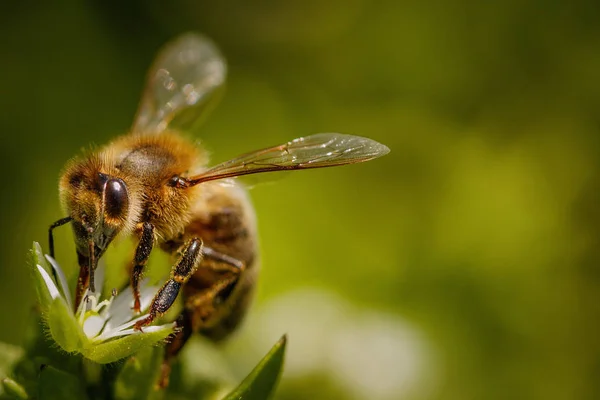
[[62, 280], [109, 329], [93, 325], [50, 285], [127, 332], [121, 309]]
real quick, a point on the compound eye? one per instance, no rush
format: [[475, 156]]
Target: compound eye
[[116, 198]]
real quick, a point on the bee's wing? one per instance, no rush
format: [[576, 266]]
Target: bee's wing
[[181, 83], [316, 151]]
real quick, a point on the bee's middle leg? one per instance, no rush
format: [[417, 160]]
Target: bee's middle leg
[[198, 310], [83, 280], [180, 274], [142, 253]]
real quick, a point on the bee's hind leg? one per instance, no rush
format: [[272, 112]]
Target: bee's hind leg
[[200, 308], [180, 274]]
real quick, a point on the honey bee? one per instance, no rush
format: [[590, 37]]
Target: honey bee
[[154, 184]]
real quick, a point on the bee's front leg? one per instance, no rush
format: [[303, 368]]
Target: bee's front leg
[[180, 274], [55, 225], [142, 253]]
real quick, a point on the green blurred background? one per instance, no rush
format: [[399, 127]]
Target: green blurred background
[[464, 265]]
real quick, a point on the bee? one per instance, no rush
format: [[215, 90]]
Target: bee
[[154, 184]]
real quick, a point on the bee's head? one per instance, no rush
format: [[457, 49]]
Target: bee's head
[[98, 203]]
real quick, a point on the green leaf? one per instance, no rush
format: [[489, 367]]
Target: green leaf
[[64, 328], [55, 384], [261, 382], [13, 389], [114, 350], [139, 375]]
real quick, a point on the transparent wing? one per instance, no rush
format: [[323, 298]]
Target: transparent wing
[[316, 151], [181, 83]]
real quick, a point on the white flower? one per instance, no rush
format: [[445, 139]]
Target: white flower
[[97, 327]]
